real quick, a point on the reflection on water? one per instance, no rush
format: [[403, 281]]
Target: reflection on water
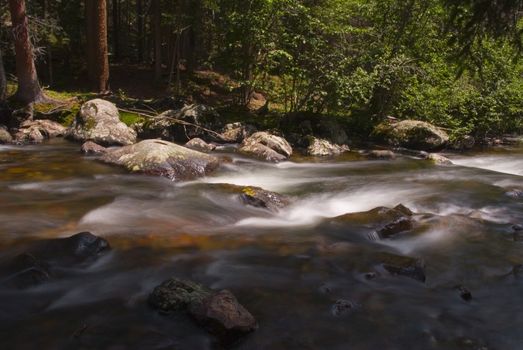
[[287, 268]]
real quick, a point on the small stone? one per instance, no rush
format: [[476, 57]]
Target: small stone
[[464, 293], [198, 144], [342, 307], [175, 295], [403, 266], [381, 154]]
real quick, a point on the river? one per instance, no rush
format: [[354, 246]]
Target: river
[[288, 268]]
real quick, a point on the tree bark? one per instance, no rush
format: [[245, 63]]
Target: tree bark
[[29, 89], [3, 80], [97, 56], [157, 19], [116, 28]]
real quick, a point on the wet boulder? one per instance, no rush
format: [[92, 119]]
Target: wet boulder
[[99, 121], [321, 147], [237, 132], [260, 198], [266, 146], [184, 124], [412, 134], [176, 295], [5, 136], [222, 315], [397, 226], [200, 145], [40, 261], [162, 158], [36, 131], [217, 311], [91, 148]]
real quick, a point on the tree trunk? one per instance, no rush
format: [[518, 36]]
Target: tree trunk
[[3, 80], [29, 89], [116, 28], [157, 19], [139, 29], [97, 56]]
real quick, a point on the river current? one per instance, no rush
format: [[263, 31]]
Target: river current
[[287, 268]]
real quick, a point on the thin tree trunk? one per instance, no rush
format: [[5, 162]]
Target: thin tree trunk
[[116, 28], [45, 6], [139, 23], [157, 19], [29, 89], [3, 80], [98, 64]]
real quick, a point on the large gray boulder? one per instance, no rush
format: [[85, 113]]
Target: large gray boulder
[[162, 158], [266, 146], [412, 134], [99, 121]]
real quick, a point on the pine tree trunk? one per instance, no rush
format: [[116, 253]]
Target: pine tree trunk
[[97, 55], [3, 80], [157, 19], [29, 89], [116, 28]]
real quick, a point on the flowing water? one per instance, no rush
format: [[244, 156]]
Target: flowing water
[[287, 268]]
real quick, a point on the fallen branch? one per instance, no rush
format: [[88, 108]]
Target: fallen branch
[[179, 121]]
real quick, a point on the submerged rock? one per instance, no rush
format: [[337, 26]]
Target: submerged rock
[[464, 292], [380, 154], [266, 146], [200, 145], [99, 121], [322, 147], [162, 158], [38, 263], [219, 312], [36, 131], [403, 266], [92, 148], [413, 134], [343, 307]]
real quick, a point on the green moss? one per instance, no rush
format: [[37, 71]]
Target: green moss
[[249, 191], [131, 118]]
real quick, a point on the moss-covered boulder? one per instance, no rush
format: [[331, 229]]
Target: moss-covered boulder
[[99, 122], [162, 158], [266, 146], [413, 134]]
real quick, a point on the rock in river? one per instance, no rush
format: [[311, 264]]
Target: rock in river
[[99, 121], [266, 146], [162, 158], [219, 312], [37, 264], [5, 136], [200, 145], [321, 147], [413, 134], [90, 148]]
